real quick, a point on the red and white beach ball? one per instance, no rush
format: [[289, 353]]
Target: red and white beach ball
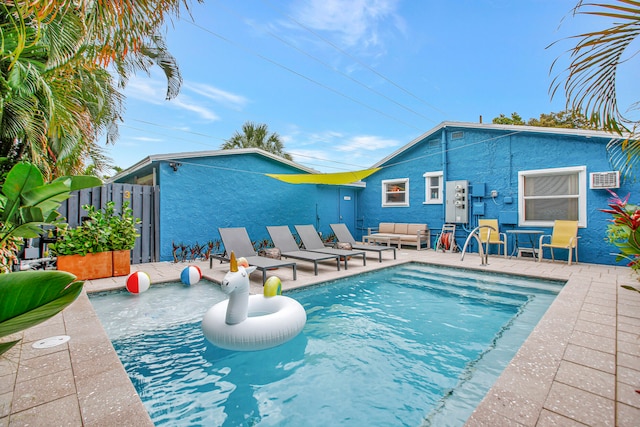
[[138, 282], [191, 275]]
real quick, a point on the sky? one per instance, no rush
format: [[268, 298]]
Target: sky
[[345, 83]]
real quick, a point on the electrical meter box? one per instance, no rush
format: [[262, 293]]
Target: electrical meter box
[[457, 202]]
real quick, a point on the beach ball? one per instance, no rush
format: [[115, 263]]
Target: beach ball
[[191, 275], [138, 282], [272, 287], [242, 262]]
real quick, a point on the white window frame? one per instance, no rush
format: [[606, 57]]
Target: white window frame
[[386, 183], [581, 196], [428, 200]]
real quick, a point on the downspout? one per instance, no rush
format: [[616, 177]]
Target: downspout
[[444, 171]]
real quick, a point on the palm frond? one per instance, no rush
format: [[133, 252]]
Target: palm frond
[[590, 80]]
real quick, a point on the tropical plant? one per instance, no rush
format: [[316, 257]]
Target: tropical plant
[[31, 297], [57, 94], [123, 227], [101, 231], [515, 119], [564, 119], [590, 81], [624, 230], [27, 204], [257, 136]]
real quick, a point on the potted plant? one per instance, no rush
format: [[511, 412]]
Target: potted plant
[[88, 250], [122, 236], [27, 203]]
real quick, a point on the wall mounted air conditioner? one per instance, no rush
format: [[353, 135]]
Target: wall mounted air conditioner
[[602, 180]]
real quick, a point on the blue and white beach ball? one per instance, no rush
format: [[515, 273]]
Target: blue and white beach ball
[[191, 275], [138, 282]]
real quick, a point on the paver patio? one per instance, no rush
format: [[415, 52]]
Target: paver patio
[[580, 365]]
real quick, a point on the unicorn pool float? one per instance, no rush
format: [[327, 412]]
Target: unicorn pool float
[[252, 322]]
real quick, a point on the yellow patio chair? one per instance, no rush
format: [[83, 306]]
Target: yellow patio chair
[[492, 236], [564, 236]]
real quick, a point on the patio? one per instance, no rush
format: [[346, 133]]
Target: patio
[[580, 365]]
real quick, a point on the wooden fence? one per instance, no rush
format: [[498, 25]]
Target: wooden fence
[[143, 200]]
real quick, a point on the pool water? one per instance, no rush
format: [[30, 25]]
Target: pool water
[[408, 345]]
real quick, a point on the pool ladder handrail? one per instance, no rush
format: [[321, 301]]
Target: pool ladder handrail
[[484, 257]]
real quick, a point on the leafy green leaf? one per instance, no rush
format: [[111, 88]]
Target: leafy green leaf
[[81, 181], [25, 291], [40, 314], [22, 177], [6, 346]]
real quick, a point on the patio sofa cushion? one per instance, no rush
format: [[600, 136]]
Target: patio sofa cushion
[[386, 227], [401, 233]]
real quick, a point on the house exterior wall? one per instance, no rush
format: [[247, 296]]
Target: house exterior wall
[[490, 159], [232, 191]]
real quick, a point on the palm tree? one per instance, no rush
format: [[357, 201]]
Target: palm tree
[[257, 136], [57, 95], [590, 81]]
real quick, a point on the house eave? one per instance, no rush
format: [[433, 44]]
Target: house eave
[[498, 127], [157, 158]]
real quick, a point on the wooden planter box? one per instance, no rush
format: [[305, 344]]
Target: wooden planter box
[[121, 262], [87, 267]]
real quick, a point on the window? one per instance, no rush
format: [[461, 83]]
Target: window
[[395, 192], [433, 187], [548, 194]]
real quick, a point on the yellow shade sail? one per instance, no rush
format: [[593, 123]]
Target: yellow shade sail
[[324, 178]]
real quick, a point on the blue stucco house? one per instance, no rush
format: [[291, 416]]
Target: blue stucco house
[[524, 176], [202, 191]]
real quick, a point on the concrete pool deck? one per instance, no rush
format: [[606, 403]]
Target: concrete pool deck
[[580, 366]]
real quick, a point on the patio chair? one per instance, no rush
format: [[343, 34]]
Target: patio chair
[[489, 234], [344, 236], [284, 240], [312, 242], [238, 241], [564, 236]]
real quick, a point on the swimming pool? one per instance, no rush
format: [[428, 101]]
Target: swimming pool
[[408, 345]]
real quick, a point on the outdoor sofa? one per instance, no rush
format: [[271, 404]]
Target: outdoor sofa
[[400, 233]]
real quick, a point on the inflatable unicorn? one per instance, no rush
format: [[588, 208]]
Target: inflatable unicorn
[[251, 322]]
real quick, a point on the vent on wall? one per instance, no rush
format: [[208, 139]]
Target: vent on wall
[[600, 180]]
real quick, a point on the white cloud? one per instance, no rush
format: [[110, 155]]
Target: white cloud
[[231, 100], [185, 103], [153, 91], [357, 22], [366, 143], [147, 139], [146, 89], [331, 151]]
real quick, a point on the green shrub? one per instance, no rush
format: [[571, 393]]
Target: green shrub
[[103, 230]]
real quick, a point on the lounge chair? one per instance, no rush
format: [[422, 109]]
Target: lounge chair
[[237, 240], [312, 242], [284, 240], [344, 236], [564, 236]]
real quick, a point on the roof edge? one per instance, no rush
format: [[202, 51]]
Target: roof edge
[[149, 160], [491, 126]]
